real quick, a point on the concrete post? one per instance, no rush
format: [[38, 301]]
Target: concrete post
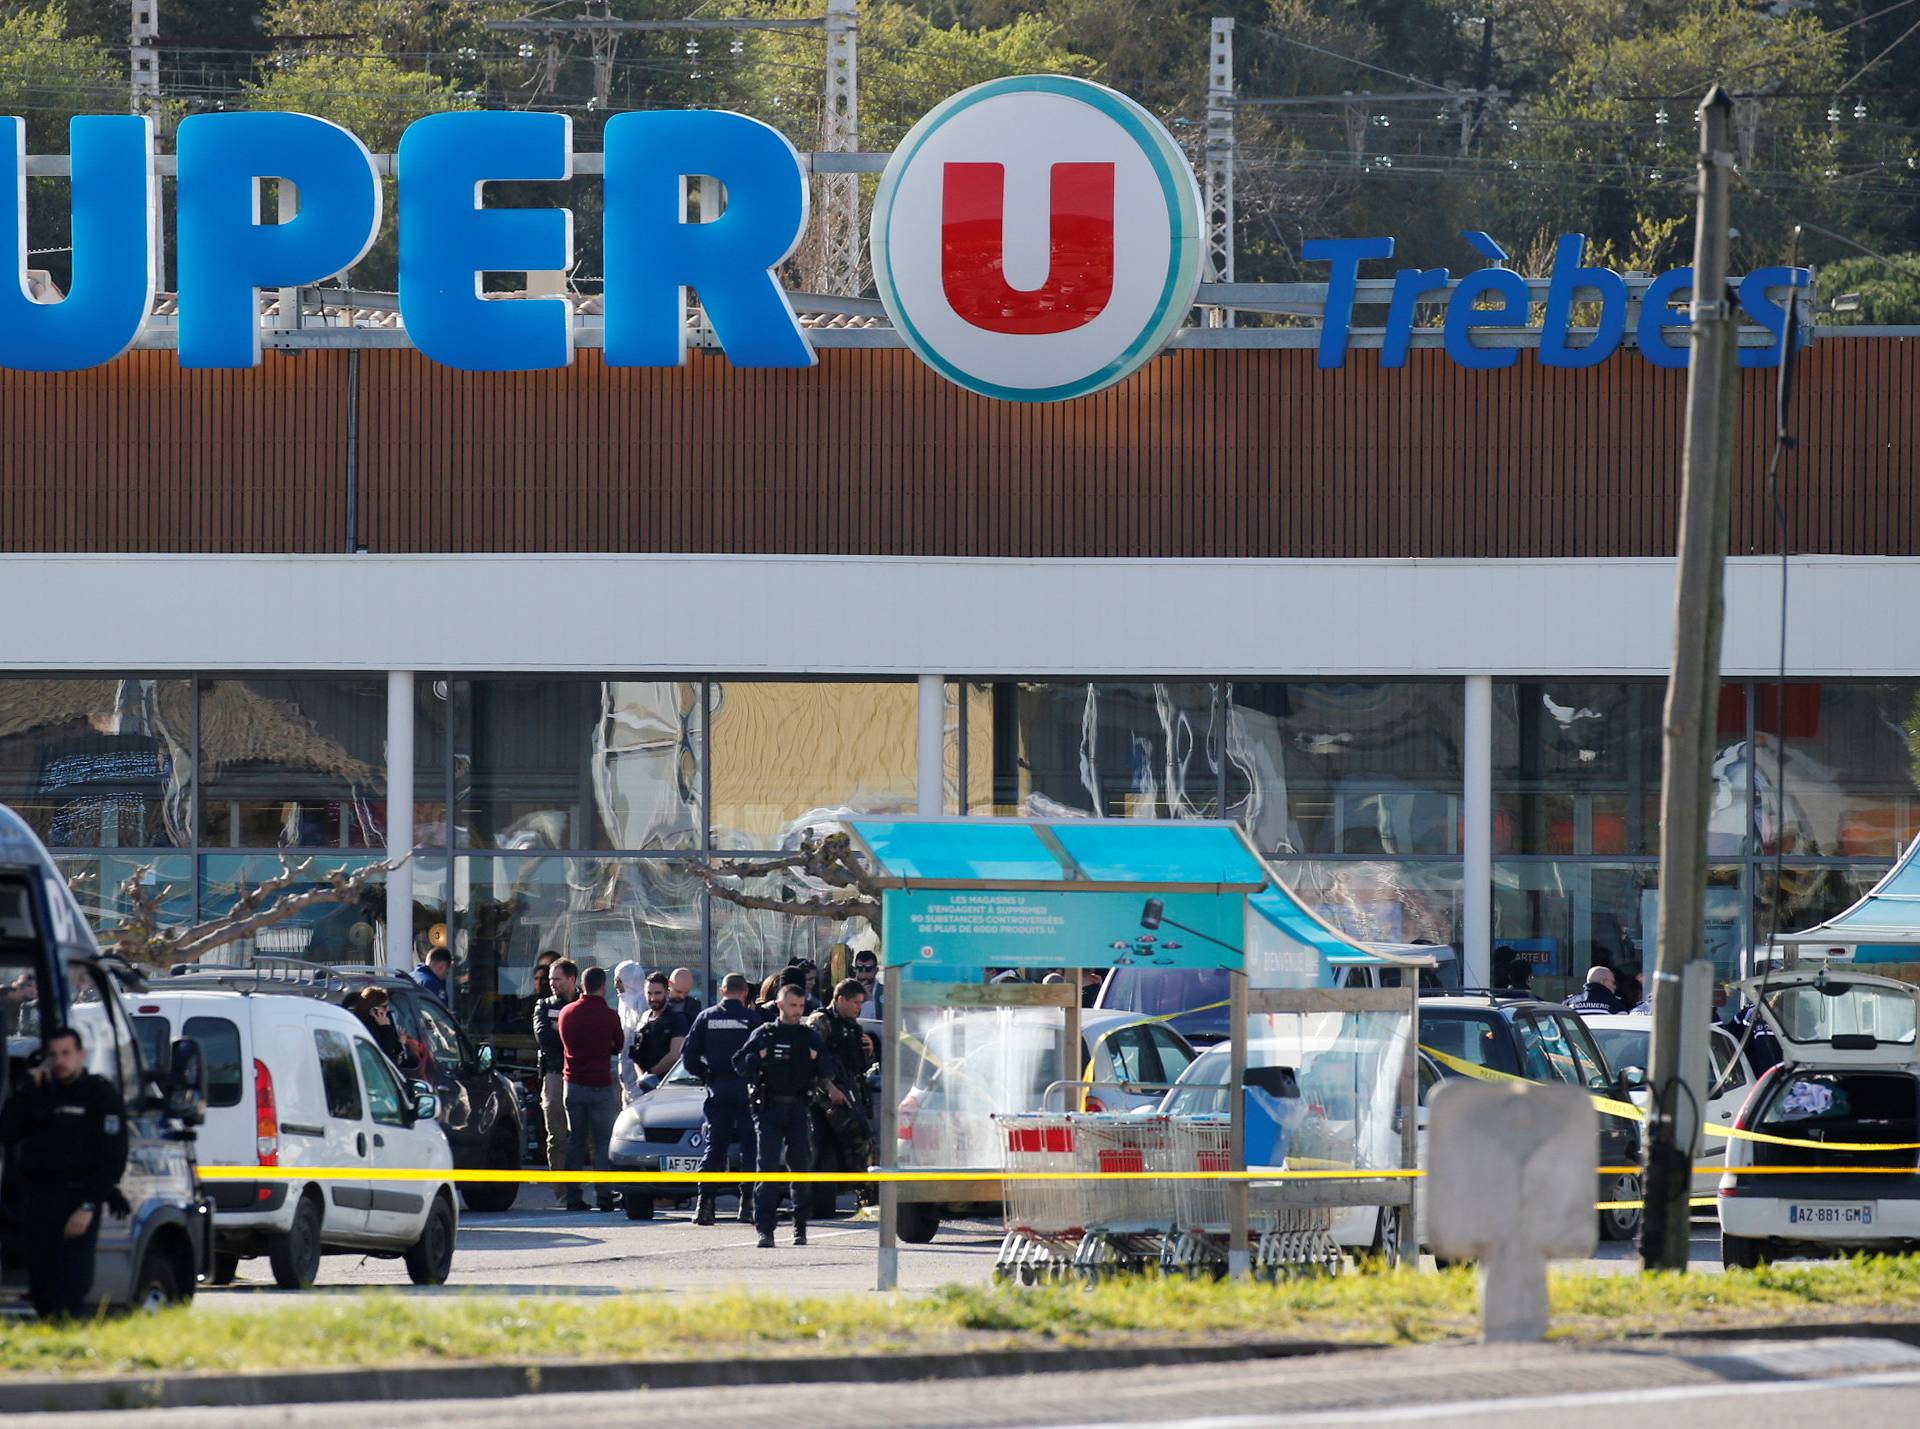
[[932, 746], [1476, 816], [400, 817]]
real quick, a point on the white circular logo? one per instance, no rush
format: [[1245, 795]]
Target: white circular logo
[[1037, 238]]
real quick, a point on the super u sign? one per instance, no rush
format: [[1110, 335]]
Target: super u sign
[[996, 248]]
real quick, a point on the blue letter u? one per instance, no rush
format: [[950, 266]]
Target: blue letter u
[[115, 249]]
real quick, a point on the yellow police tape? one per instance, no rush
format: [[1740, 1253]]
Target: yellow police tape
[[1609, 1106], [726, 1178]]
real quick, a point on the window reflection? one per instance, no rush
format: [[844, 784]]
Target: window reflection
[[326, 930], [98, 883], [1355, 768], [99, 763], [1576, 769], [294, 763], [558, 763], [1378, 901], [1841, 781], [1809, 894], [1111, 750], [787, 751]]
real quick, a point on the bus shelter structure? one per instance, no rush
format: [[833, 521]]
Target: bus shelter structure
[[964, 898]]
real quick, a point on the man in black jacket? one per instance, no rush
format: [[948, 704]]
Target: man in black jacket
[[780, 1061], [564, 978], [716, 1039], [71, 1129]]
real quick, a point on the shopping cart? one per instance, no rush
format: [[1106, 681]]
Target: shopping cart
[[1044, 1219], [1127, 1221], [1283, 1240]]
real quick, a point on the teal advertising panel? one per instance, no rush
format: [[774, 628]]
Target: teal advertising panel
[[970, 929]]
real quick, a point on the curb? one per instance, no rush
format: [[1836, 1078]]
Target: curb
[[504, 1381]]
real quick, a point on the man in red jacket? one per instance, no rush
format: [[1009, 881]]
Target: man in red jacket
[[590, 1038]]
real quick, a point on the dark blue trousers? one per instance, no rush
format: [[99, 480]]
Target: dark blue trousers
[[729, 1124], [781, 1130]]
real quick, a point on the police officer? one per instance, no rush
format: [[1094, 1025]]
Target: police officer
[[717, 1036], [780, 1061], [71, 1130], [840, 1102]]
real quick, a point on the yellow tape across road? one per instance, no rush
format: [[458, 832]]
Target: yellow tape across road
[[734, 1178]]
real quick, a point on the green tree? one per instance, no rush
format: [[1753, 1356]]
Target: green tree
[[47, 76], [1877, 292]]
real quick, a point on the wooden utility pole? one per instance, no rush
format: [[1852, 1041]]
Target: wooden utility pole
[[1693, 697]]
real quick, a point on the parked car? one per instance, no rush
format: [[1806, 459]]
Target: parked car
[[293, 1082], [1542, 1042], [479, 1107], [1849, 1074], [665, 1130], [1625, 1039], [53, 974], [968, 1067]]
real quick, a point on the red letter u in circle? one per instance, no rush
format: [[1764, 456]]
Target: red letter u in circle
[[1079, 240]]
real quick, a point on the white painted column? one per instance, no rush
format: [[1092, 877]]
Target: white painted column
[[400, 817], [1476, 894], [932, 745]]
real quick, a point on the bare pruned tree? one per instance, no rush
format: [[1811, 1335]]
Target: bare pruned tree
[[141, 937], [845, 888]]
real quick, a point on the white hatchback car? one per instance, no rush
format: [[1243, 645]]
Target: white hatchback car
[[294, 1082], [1626, 1040], [1848, 1084]]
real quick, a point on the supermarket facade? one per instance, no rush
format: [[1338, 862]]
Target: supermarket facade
[[563, 631], [1410, 627]]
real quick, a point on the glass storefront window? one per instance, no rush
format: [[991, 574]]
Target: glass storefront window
[[589, 764], [1576, 770], [597, 911], [759, 943], [99, 883], [1120, 751], [293, 763], [1351, 768], [785, 751], [326, 931], [1566, 916], [1848, 770], [1382, 901], [1811, 893], [100, 762]]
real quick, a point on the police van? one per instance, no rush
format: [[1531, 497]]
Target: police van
[[53, 974]]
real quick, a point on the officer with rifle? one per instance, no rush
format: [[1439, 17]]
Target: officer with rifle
[[842, 1103], [780, 1062]]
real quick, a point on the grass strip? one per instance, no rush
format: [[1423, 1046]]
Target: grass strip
[[386, 1328]]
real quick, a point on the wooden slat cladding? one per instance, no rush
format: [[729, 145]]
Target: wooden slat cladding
[[1235, 453], [139, 455]]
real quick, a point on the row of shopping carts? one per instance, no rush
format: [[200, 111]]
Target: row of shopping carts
[[1077, 1218]]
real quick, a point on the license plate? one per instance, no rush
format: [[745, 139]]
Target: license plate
[[1828, 1214], [680, 1163]]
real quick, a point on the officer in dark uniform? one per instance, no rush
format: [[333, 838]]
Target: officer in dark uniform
[[71, 1131], [780, 1061], [841, 1102], [717, 1036]]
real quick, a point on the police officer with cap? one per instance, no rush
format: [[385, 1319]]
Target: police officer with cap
[[717, 1036], [780, 1061], [70, 1128]]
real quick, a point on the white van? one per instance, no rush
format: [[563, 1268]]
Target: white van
[[292, 1082]]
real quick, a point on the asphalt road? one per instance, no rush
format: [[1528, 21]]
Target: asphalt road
[[1702, 1385], [543, 1250]]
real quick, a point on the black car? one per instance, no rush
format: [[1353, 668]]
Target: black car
[[480, 1108], [1518, 1036]]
